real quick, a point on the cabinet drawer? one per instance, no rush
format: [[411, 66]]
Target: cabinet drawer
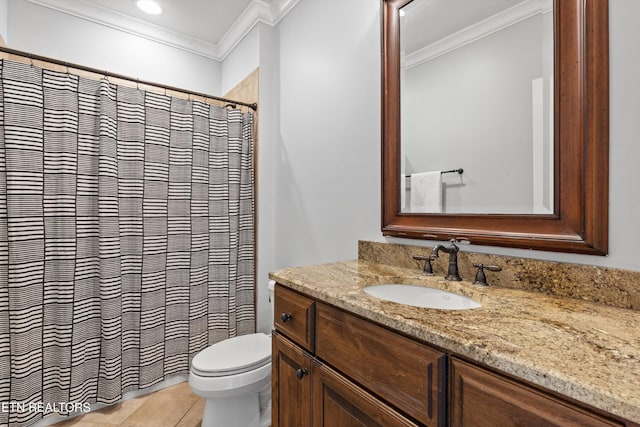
[[294, 316], [481, 398], [400, 371]]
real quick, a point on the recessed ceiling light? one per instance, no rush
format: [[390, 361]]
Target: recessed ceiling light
[[149, 6]]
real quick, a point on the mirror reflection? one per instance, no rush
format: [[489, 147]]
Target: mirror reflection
[[477, 106]]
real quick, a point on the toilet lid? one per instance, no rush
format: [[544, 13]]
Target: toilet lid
[[233, 356]]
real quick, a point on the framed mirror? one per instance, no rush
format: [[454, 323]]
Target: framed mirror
[[495, 122]]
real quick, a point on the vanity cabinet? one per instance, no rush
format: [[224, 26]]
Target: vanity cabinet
[[485, 399], [332, 368]]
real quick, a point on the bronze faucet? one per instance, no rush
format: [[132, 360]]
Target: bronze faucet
[[452, 250]]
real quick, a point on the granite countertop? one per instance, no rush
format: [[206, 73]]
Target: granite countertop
[[583, 350]]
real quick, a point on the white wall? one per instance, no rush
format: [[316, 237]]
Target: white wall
[[50, 33], [624, 202], [318, 150], [328, 175], [4, 9], [268, 119], [241, 61]]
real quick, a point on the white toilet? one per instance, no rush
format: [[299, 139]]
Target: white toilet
[[234, 377]]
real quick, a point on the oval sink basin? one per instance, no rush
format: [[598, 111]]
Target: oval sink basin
[[420, 296]]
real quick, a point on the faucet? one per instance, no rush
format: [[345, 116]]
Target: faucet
[[452, 250]]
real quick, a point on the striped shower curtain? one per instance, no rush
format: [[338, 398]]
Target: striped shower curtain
[[126, 238]]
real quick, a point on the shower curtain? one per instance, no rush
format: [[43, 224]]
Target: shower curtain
[[126, 238]]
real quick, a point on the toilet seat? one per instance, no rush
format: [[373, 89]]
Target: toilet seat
[[233, 356]]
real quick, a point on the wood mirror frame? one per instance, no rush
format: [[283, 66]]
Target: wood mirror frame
[[580, 221]]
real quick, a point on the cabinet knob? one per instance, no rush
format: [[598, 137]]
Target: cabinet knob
[[301, 373], [285, 317]]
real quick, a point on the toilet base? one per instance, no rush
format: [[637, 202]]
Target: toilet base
[[234, 412]]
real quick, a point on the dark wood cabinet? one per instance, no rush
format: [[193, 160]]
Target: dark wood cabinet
[[333, 369], [407, 374], [295, 316], [338, 402], [291, 384], [480, 398]]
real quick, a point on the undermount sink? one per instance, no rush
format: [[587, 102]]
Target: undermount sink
[[420, 296]]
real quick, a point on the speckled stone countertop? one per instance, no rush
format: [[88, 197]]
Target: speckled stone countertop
[[587, 351]]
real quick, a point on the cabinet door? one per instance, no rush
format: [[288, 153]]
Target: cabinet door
[[291, 384], [398, 370], [339, 402], [480, 398]]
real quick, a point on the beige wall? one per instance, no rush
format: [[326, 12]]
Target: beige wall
[[247, 89]]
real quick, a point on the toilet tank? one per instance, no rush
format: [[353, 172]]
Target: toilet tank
[[271, 285]]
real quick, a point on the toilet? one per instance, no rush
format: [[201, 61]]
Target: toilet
[[234, 378]]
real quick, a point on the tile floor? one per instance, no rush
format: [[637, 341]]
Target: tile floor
[[175, 406]]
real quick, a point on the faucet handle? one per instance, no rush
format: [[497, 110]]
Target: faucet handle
[[481, 278], [428, 269]]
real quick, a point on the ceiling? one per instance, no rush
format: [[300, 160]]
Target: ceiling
[[207, 20], [211, 28]]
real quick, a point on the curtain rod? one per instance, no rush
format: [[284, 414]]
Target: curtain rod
[[32, 57]]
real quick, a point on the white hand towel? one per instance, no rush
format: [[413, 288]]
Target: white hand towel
[[403, 193], [426, 192]]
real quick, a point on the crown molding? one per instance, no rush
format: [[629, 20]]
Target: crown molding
[[477, 31], [256, 12], [280, 8]]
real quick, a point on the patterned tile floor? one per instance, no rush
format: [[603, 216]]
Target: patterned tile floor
[[174, 406]]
